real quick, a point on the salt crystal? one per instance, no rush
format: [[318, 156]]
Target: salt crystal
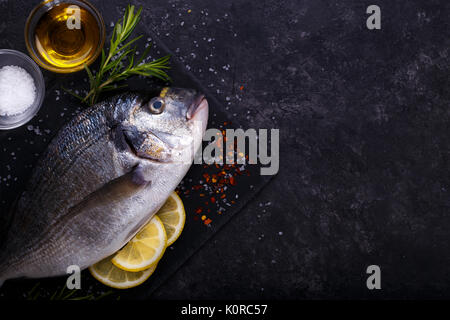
[[17, 90]]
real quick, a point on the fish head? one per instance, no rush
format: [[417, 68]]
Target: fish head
[[167, 127]]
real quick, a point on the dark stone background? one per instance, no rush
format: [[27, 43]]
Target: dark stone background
[[364, 125]]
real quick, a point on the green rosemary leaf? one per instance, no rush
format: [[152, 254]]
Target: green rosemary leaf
[[91, 77], [112, 67]]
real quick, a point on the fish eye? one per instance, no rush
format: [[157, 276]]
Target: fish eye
[[156, 105]]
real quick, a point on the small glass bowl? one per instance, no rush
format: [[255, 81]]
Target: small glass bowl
[[37, 13], [16, 58]]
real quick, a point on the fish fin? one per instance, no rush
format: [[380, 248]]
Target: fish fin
[[116, 190], [138, 176], [98, 201]]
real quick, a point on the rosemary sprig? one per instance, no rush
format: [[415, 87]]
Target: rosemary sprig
[[120, 62]]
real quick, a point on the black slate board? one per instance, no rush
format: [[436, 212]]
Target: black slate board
[[21, 147]]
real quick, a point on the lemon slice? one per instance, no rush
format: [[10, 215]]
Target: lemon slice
[[108, 274], [144, 250], [173, 217]]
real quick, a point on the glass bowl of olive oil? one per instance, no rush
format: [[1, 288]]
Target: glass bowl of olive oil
[[62, 36]]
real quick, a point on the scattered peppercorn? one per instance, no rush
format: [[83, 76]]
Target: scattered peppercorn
[[216, 184]]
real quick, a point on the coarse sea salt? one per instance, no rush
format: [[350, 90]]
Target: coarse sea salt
[[17, 90]]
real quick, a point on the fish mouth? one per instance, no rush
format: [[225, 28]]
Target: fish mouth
[[197, 113], [137, 153], [129, 143], [198, 105]]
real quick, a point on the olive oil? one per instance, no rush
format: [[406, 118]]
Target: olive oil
[[67, 37]]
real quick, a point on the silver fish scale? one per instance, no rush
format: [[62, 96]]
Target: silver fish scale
[[47, 194], [92, 191]]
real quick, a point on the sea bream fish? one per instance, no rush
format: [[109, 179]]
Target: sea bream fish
[[101, 179]]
